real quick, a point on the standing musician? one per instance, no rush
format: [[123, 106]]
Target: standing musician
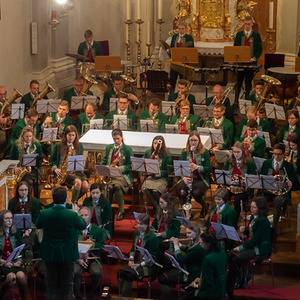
[[238, 165], [186, 122], [93, 234], [191, 261], [221, 212], [118, 155], [69, 146], [198, 182], [257, 245], [83, 120], [153, 113], [253, 144], [137, 267], [291, 128], [153, 186], [220, 122], [183, 94], [258, 88], [101, 211], [10, 238], [123, 103], [27, 144]]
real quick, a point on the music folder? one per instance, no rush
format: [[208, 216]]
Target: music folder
[[225, 231], [237, 54], [108, 171]]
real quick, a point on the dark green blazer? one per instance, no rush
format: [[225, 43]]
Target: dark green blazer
[[104, 213], [60, 242], [284, 132], [15, 239], [249, 169], [68, 205], [227, 129], [109, 93], [203, 161], [63, 125], [83, 122], [192, 122], [255, 43], [27, 100], [124, 163], [83, 50], [131, 119], [68, 94], [252, 97], [228, 108], [34, 209], [191, 98], [186, 38], [159, 121], [258, 146], [213, 276]]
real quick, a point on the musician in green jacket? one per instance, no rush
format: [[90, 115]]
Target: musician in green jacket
[[291, 128], [118, 155], [258, 88], [101, 211], [293, 101], [153, 113]]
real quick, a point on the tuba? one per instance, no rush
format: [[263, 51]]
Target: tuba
[[6, 110], [87, 84], [297, 102], [46, 90]]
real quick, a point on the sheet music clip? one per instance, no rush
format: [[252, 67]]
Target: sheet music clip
[[222, 155], [182, 168], [75, 163], [145, 165], [168, 108], [225, 231], [265, 136], [244, 105], [108, 171], [258, 162], [121, 122], [113, 104], [17, 111], [203, 111], [223, 177], [147, 126], [45, 106], [49, 134], [274, 111], [171, 128], [22, 221], [175, 263], [80, 102], [147, 256]]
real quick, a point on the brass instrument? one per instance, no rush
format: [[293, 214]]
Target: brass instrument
[[24, 170], [226, 93], [46, 90], [179, 240], [281, 184], [237, 184], [179, 99], [87, 84], [6, 110], [106, 180], [297, 102], [64, 168]]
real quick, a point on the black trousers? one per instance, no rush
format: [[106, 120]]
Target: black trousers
[[248, 76]]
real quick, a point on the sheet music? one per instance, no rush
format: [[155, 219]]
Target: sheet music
[[145, 165], [220, 174], [108, 171], [17, 111], [222, 155], [75, 163], [29, 160], [79, 102], [115, 252], [120, 122], [96, 124], [49, 134], [225, 231], [203, 111], [274, 111], [258, 162], [171, 128], [113, 104], [253, 181], [175, 263], [265, 136], [244, 105], [216, 135], [147, 125], [84, 246], [45, 106], [168, 108], [147, 256], [182, 168]]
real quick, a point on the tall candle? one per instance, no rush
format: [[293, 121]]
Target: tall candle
[[271, 15], [128, 9], [126, 34], [148, 31], [159, 9], [139, 9]]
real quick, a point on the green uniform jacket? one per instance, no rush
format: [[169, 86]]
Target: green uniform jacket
[[82, 122], [191, 122], [15, 239], [104, 213], [255, 43], [165, 164], [34, 209], [262, 126], [228, 108], [172, 229], [109, 93], [252, 97], [159, 121], [192, 260], [68, 205], [60, 242], [186, 38], [27, 100], [213, 276], [284, 132], [191, 98], [68, 94], [83, 50], [260, 237], [124, 163], [203, 161], [63, 125], [227, 129], [151, 243], [258, 146], [131, 119], [56, 160]]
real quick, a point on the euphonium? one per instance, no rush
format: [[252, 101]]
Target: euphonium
[[24, 170], [46, 90], [64, 168], [6, 110]]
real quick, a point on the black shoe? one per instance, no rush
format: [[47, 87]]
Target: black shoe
[[120, 216], [245, 281]]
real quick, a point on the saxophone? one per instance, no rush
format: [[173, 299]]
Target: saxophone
[[64, 168]]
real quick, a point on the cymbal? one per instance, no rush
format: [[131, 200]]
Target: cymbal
[[166, 47], [187, 44], [77, 56]]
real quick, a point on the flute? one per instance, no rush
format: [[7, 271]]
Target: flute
[[179, 240]]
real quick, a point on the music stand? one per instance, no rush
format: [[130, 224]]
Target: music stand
[[182, 168], [22, 221], [31, 160], [222, 177], [46, 106], [17, 111], [172, 128], [145, 165], [144, 253], [75, 163], [183, 221], [113, 104], [258, 162], [96, 124], [15, 254], [244, 105], [168, 108], [83, 248], [108, 63], [79, 102], [225, 232], [49, 134], [108, 171], [147, 126], [265, 136], [121, 122], [203, 111], [216, 135], [274, 111], [222, 155]]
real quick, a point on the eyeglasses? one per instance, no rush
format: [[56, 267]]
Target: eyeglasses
[[193, 140], [8, 218], [123, 103]]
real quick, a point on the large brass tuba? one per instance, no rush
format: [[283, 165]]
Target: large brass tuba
[[46, 90], [6, 110], [297, 102], [87, 84]]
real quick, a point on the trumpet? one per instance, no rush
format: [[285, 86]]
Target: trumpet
[[179, 240]]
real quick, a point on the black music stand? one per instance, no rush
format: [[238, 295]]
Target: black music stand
[[80, 102], [168, 108], [172, 128], [32, 160], [17, 111], [22, 221], [147, 126], [46, 106]]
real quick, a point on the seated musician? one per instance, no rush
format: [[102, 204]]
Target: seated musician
[[278, 166], [199, 160], [94, 234], [28, 98], [83, 120], [137, 267], [185, 121], [291, 128], [101, 211], [218, 97], [191, 261], [27, 144], [211, 283], [220, 122], [183, 94], [258, 88], [89, 47], [154, 185], [123, 103], [238, 165], [153, 113], [69, 146], [252, 114], [118, 155], [253, 144], [221, 212], [293, 155], [257, 245], [294, 102], [10, 238]]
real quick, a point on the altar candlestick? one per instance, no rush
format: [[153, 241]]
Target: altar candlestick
[[159, 9], [139, 9], [271, 15], [148, 31], [128, 9]]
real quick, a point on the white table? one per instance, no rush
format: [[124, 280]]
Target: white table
[[96, 140]]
